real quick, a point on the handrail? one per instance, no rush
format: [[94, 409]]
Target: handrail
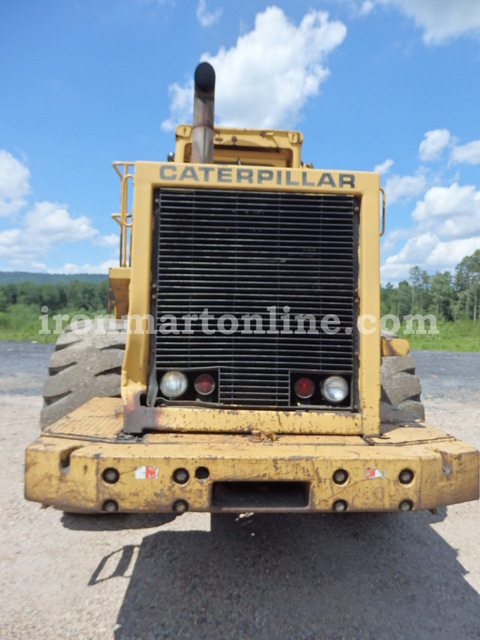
[[124, 218], [384, 198]]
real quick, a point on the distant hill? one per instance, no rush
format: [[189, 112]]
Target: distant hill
[[14, 277]]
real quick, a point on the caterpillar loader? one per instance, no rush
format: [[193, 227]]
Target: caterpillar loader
[[245, 368]]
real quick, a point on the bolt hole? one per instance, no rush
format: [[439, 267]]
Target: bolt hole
[[110, 506], [406, 505], [180, 506], [181, 476], [202, 473], [110, 475], [340, 476], [406, 476], [339, 506]]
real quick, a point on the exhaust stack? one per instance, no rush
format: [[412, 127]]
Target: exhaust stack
[[203, 114]]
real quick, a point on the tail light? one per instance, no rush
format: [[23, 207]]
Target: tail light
[[204, 384], [304, 388]]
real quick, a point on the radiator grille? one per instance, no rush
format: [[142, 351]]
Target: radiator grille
[[241, 252]]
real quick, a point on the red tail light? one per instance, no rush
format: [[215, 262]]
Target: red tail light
[[204, 384], [304, 388]]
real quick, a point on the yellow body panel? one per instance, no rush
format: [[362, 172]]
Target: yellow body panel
[[394, 347], [149, 175], [66, 467], [249, 146], [119, 278]]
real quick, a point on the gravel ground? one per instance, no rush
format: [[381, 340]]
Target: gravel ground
[[275, 577]]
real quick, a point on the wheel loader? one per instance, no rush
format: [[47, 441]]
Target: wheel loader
[[244, 369]]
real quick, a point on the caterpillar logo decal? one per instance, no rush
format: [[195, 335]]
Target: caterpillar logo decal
[[252, 176]]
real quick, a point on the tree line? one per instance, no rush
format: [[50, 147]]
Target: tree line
[[75, 296], [449, 296]]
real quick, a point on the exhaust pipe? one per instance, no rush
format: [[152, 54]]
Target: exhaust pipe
[[203, 114]]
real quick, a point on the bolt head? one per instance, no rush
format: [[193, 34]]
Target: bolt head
[[339, 506], [110, 506], [180, 506]]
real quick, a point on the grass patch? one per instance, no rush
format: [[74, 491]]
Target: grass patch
[[23, 323], [462, 335]]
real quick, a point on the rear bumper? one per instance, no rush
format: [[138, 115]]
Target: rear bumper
[[276, 474]]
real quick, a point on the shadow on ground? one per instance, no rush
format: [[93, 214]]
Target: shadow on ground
[[115, 522], [351, 576]]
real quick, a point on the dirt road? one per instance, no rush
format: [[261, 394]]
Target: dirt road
[[272, 577]]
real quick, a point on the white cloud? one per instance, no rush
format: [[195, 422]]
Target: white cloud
[[433, 143], [391, 238], [415, 251], [50, 222], [112, 240], [206, 18], [441, 20], [11, 244], [384, 167], [404, 187], [467, 153], [14, 183], [366, 8], [442, 202], [447, 255], [445, 219], [429, 251], [72, 269], [453, 210], [181, 101], [267, 77], [454, 213], [43, 226]]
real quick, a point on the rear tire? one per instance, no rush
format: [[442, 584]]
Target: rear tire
[[401, 388], [86, 363]]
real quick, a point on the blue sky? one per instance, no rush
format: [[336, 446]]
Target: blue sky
[[390, 85]]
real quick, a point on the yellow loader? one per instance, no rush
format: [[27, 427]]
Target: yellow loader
[[245, 368]]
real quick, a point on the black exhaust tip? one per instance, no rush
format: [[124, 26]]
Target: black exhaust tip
[[205, 77]]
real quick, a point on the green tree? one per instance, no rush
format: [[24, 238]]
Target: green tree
[[388, 299], [420, 284], [49, 297], [404, 299], [467, 280], [10, 291], [3, 299], [443, 295], [28, 294]]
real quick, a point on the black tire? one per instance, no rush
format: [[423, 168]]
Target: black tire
[[86, 363], [401, 388]]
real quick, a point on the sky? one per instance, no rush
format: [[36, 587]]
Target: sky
[[374, 85]]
